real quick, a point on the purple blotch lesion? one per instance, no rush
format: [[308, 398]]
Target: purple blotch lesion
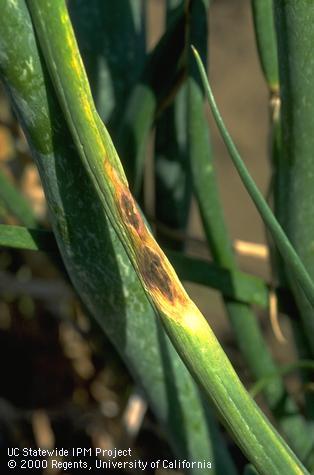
[[154, 274], [130, 212]]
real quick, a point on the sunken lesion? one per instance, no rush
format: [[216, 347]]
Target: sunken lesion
[[151, 264], [126, 205], [130, 212], [154, 274]]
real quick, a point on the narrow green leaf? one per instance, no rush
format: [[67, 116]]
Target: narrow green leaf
[[289, 254], [265, 34]]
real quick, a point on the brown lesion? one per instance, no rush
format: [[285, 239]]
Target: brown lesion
[[124, 200], [151, 262], [129, 210], [154, 274]]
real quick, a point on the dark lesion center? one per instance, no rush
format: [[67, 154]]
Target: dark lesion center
[[130, 212], [150, 263], [154, 274]]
